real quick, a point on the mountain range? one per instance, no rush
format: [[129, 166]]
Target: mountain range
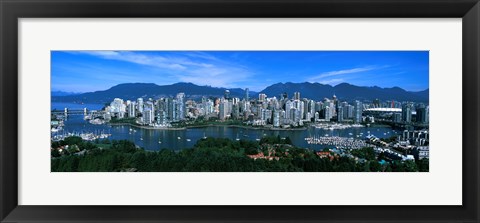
[[345, 91], [315, 91]]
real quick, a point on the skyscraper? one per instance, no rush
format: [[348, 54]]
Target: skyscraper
[[148, 113], [131, 110], [327, 113], [340, 113], [117, 108], [422, 113], [140, 105], [227, 94], [181, 106], [276, 118], [357, 114], [296, 95], [407, 112], [223, 110], [262, 97], [246, 94]]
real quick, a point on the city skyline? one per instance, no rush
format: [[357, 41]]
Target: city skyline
[[87, 71]]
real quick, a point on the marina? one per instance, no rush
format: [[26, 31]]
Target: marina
[[157, 139], [337, 142]]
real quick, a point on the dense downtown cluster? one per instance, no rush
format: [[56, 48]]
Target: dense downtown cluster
[[406, 150]]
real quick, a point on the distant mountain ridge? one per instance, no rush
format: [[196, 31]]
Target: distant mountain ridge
[[345, 91], [315, 91], [132, 91]]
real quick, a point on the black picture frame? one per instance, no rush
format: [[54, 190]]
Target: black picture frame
[[12, 10]]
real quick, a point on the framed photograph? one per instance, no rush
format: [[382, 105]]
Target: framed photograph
[[239, 111]]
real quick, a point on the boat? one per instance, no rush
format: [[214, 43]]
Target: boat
[[188, 140], [141, 138], [179, 137]]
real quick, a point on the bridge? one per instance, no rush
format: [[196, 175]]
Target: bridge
[[83, 111]]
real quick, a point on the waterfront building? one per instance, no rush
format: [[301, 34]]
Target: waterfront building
[[148, 113], [297, 116], [131, 110], [266, 115], [223, 110], [148, 117], [358, 109], [209, 108], [305, 109], [140, 105], [328, 113], [117, 108], [276, 118], [340, 114], [171, 109], [161, 117], [288, 107], [236, 111], [181, 106], [350, 111], [311, 107]]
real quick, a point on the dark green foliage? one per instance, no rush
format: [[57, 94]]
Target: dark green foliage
[[366, 153], [216, 155], [422, 165]]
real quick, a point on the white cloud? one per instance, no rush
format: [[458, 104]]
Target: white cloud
[[324, 75], [196, 67]]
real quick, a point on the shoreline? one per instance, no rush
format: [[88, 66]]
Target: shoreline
[[149, 127], [204, 126]]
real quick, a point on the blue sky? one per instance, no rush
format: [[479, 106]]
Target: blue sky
[[86, 71]]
